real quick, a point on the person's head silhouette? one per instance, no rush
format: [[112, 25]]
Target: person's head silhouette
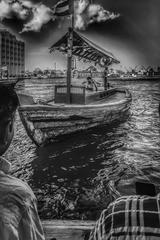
[[18, 210], [8, 105]]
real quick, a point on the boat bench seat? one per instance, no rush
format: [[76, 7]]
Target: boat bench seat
[[67, 229], [77, 95]]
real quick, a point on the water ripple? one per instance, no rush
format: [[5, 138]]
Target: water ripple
[[69, 177]]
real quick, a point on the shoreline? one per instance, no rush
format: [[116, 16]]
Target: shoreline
[[140, 78]]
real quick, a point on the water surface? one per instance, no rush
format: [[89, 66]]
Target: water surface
[[70, 178]]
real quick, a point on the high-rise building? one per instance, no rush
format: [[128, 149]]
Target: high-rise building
[[12, 53]]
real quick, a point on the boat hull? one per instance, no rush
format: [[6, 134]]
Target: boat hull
[[47, 124]]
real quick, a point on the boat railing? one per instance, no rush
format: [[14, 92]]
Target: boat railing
[[97, 96], [127, 92], [79, 94]]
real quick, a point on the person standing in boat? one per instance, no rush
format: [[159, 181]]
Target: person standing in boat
[[91, 84], [19, 218]]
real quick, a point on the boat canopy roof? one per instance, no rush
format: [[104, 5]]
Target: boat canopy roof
[[84, 49]]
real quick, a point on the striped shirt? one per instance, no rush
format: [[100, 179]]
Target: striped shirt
[[129, 218], [18, 210]]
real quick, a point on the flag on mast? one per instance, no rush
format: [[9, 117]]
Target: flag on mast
[[62, 8]]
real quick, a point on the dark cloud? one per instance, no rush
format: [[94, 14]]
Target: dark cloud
[[137, 29], [139, 26]]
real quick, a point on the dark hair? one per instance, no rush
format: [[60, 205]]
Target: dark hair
[[8, 101]]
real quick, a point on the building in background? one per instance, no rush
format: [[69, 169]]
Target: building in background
[[12, 53]]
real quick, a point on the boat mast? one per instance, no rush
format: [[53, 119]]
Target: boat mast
[[69, 52]]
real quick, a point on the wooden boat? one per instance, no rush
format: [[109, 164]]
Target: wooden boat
[[48, 123], [75, 108]]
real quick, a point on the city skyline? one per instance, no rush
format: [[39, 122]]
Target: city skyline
[[133, 37]]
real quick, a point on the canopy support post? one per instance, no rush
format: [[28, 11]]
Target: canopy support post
[[69, 53], [69, 66], [106, 78]]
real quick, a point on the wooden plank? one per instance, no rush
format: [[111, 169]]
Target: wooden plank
[[59, 124], [67, 229]]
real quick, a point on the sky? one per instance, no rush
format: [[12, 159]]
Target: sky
[[133, 37]]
